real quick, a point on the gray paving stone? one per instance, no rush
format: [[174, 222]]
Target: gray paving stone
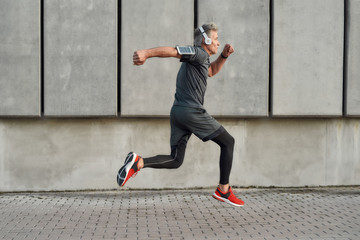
[[301, 213]]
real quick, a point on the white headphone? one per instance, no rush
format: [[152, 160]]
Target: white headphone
[[207, 39]]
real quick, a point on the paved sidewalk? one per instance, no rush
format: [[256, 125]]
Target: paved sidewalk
[[270, 213]]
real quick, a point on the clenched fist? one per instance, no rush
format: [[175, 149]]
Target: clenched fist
[[139, 57], [228, 50]]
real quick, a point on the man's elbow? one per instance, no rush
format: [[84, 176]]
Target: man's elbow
[[210, 72]]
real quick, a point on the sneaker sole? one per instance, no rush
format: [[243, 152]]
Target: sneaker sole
[[129, 161], [225, 200]]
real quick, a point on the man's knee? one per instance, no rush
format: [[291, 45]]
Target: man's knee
[[178, 161], [178, 154], [227, 140], [231, 141], [178, 158]]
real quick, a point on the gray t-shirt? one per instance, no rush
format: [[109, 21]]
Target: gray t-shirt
[[191, 79]]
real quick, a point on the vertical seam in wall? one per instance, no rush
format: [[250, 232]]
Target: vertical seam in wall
[[326, 153], [42, 82], [196, 16], [271, 43], [118, 99], [345, 56]]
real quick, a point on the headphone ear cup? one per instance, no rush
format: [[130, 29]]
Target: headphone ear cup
[[207, 40]]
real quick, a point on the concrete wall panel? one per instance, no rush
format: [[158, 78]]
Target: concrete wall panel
[[87, 153], [353, 59], [284, 153], [148, 90], [241, 88], [308, 58], [343, 152], [19, 58], [80, 45]]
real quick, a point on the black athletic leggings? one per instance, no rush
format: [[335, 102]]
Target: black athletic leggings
[[224, 140]]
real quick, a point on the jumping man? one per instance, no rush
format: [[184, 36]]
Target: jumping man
[[188, 115]]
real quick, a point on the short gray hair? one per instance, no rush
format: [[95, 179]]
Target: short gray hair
[[208, 27]]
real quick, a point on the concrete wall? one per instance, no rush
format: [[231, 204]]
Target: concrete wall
[[81, 79], [20, 58], [80, 60], [308, 57], [353, 58], [86, 154]]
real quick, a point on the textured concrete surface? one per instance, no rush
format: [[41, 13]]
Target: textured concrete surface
[[353, 58], [242, 86], [148, 90], [86, 154], [19, 58], [319, 213], [308, 58], [80, 68]]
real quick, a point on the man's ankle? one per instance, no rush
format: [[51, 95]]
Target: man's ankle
[[140, 164], [224, 187]]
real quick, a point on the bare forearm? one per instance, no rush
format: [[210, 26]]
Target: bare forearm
[[216, 66], [161, 52], [140, 56]]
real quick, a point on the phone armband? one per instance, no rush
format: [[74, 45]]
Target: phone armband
[[185, 50]]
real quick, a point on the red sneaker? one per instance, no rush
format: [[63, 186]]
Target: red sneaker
[[128, 169], [228, 197]]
